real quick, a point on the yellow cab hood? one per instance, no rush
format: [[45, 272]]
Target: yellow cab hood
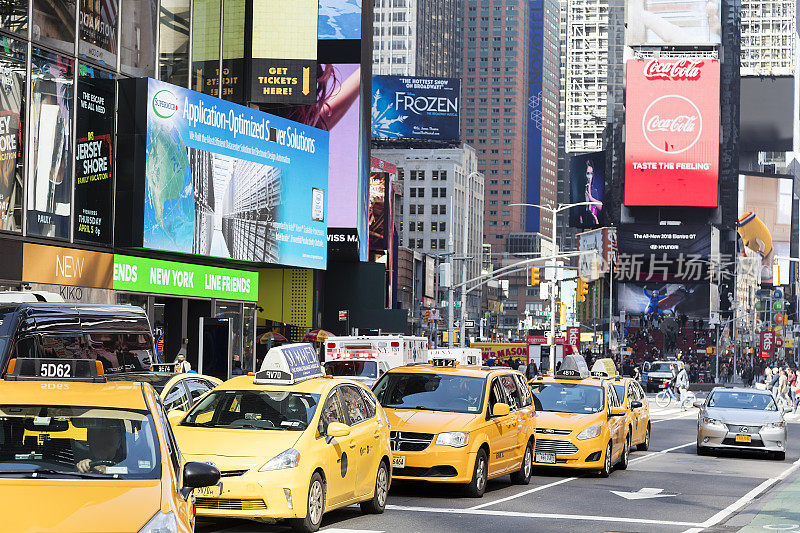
[[233, 449], [429, 421], [573, 421], [73, 506]]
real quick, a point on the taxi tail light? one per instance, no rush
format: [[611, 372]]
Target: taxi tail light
[[98, 365]]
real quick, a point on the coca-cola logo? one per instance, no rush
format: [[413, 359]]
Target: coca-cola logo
[[685, 69], [672, 124]]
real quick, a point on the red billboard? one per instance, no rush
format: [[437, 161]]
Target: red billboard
[[672, 132], [767, 344]]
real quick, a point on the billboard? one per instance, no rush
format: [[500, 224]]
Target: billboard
[[339, 19], [765, 125], [672, 22], [691, 299], [415, 108], [672, 132], [533, 176], [12, 117], [587, 178], [659, 239], [228, 181]]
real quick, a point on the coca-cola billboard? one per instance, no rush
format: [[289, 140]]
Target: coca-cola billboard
[[672, 132]]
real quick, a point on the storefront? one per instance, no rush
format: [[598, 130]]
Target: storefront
[[208, 312]]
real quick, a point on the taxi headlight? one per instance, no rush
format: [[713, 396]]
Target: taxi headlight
[[706, 421], [456, 439], [590, 432], [775, 425], [161, 523], [287, 459]]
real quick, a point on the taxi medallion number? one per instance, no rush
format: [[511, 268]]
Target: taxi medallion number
[[548, 458], [398, 461], [743, 438], [209, 492]]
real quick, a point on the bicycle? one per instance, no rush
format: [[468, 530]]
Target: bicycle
[[666, 396]]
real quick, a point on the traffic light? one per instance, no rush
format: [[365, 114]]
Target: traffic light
[[535, 279], [582, 291]]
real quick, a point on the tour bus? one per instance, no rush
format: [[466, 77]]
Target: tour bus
[[366, 358], [119, 336]]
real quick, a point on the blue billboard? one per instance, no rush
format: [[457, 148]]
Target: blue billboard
[[533, 177], [339, 19], [415, 108], [228, 181]]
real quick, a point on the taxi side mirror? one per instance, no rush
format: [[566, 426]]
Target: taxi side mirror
[[196, 475], [337, 430], [501, 409], [698, 405], [636, 404], [175, 417], [617, 411]]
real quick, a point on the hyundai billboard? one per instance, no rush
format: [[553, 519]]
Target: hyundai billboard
[[228, 181], [672, 132], [415, 108]]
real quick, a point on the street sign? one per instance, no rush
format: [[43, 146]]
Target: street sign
[[469, 323], [456, 303], [343, 316]]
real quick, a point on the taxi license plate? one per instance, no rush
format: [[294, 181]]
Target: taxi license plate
[[549, 458], [398, 461], [209, 492], [743, 438]]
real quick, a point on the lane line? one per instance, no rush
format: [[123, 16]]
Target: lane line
[[566, 480], [552, 516], [524, 493], [744, 500]]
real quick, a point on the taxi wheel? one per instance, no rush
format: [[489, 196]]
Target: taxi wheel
[[606, 470], [480, 475], [377, 503], [623, 460], [315, 506], [645, 444], [523, 475]]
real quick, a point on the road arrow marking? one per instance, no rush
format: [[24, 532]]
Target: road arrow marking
[[643, 494]]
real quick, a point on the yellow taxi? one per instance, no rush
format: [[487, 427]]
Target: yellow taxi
[[80, 454], [290, 443], [633, 399], [178, 391], [580, 422], [458, 424]]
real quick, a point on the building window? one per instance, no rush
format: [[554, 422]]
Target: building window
[[442, 192], [442, 209], [434, 192], [442, 226], [441, 244], [434, 244], [434, 209], [420, 226], [412, 209], [434, 226]]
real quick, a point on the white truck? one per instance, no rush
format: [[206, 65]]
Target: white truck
[[464, 356], [366, 358]]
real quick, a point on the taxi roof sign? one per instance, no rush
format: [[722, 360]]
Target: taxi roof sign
[[34, 369], [289, 364], [604, 368], [573, 367]]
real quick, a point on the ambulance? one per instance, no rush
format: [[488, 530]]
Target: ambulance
[[366, 358], [464, 356]]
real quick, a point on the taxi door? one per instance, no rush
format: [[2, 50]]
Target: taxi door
[[527, 414], [340, 473], [642, 413], [362, 448], [519, 412], [616, 424], [502, 430]]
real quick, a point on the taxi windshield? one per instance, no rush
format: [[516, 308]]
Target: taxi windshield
[[742, 400], [364, 369], [567, 397], [433, 392], [254, 409], [77, 442]]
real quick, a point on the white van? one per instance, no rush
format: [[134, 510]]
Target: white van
[[366, 358]]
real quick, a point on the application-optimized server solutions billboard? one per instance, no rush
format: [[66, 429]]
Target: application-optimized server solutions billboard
[[672, 132], [227, 181], [415, 108]]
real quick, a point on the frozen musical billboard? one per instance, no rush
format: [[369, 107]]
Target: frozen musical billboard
[[672, 132]]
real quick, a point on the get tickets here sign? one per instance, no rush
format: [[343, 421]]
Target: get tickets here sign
[[140, 274], [672, 132]]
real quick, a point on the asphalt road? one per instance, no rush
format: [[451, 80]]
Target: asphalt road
[[687, 493]]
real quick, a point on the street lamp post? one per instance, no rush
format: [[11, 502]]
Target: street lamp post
[[554, 233]]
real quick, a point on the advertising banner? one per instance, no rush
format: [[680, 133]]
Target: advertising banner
[[94, 164], [604, 242], [691, 299], [587, 177], [339, 19], [502, 350], [66, 266], [767, 344], [574, 337], [671, 22], [141, 274], [415, 108], [12, 77], [672, 240], [672, 132], [228, 181]]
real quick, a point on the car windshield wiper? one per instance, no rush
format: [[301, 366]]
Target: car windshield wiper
[[48, 472]]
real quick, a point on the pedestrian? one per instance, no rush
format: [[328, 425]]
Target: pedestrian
[[783, 387], [682, 383], [181, 364]]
